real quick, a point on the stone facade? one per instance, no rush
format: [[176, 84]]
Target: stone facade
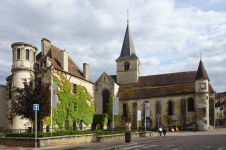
[[27, 64]]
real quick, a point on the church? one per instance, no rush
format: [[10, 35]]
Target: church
[[187, 95]]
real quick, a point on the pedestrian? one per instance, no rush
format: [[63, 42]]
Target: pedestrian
[[169, 129], [160, 130], [164, 129]]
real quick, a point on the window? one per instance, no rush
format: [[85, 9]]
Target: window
[[74, 88], [27, 54], [10, 86], [105, 96], [126, 66], [34, 56], [124, 111], [18, 53], [191, 104], [170, 108]]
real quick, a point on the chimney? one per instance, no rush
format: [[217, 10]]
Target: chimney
[[46, 44], [86, 71], [64, 60]]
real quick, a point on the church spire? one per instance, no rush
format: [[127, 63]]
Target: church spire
[[128, 50], [201, 73]]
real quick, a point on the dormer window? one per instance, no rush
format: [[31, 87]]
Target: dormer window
[[126, 66], [27, 54]]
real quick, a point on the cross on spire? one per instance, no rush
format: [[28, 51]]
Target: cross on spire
[[200, 56], [127, 16]]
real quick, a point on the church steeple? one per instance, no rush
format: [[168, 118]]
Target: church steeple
[[201, 73], [128, 50]]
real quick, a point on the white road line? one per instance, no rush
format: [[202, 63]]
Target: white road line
[[220, 148], [133, 147], [149, 146], [169, 145], [206, 146], [174, 149]]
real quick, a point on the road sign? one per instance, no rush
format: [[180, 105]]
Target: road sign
[[139, 115], [116, 101], [36, 106], [174, 117], [158, 115]]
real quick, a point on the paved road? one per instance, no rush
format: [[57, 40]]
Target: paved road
[[201, 141]]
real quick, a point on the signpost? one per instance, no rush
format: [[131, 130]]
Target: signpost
[[114, 110], [138, 117], [175, 117], [158, 116], [36, 108]]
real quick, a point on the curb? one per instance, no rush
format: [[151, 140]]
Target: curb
[[152, 141]]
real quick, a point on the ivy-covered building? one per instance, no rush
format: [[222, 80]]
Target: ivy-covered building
[[74, 86], [188, 95]]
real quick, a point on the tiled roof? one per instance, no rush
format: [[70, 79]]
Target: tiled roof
[[201, 74], [54, 53], [160, 85]]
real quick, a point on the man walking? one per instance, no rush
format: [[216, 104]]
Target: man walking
[[164, 129]]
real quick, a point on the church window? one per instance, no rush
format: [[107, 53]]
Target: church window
[[34, 56], [124, 111], [105, 96], [170, 108], [10, 86], [191, 104], [18, 53], [27, 54], [126, 66]]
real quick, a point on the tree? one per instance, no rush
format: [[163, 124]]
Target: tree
[[109, 110], [29, 95]]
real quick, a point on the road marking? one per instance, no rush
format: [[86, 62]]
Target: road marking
[[133, 147], [220, 148], [174, 149], [150, 146], [206, 146]]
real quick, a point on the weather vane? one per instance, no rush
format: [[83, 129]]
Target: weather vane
[[127, 16]]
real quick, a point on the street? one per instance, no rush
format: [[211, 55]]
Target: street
[[200, 141]]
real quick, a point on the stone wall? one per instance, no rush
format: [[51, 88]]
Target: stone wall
[[67, 140], [165, 118]]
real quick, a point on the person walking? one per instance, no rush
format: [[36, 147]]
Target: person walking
[[160, 130], [164, 129], [169, 128]]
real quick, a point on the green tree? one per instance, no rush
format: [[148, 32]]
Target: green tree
[[29, 95], [109, 110]]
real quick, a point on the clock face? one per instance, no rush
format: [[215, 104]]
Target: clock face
[[203, 85]]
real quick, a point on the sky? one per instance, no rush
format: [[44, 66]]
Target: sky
[[168, 35]]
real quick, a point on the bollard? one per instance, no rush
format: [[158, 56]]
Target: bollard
[[127, 136]]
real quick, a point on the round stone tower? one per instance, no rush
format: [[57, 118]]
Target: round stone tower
[[23, 67]]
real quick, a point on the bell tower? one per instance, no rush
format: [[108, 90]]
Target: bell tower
[[128, 63], [202, 98]]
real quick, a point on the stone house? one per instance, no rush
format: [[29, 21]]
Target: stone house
[[26, 64], [186, 94], [220, 108]]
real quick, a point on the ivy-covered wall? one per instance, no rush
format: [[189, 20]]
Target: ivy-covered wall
[[74, 103]]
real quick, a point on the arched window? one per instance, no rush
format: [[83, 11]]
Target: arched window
[[27, 54], [124, 111], [105, 96], [170, 108], [18, 53], [191, 106], [126, 66]]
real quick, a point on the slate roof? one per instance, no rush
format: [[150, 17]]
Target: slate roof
[[128, 50], [201, 74], [54, 54], [181, 83]]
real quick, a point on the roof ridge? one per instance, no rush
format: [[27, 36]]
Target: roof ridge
[[167, 73]]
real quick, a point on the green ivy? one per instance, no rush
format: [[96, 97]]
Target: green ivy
[[72, 106], [100, 119]]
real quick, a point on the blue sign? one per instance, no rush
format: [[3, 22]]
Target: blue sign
[[36, 106]]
